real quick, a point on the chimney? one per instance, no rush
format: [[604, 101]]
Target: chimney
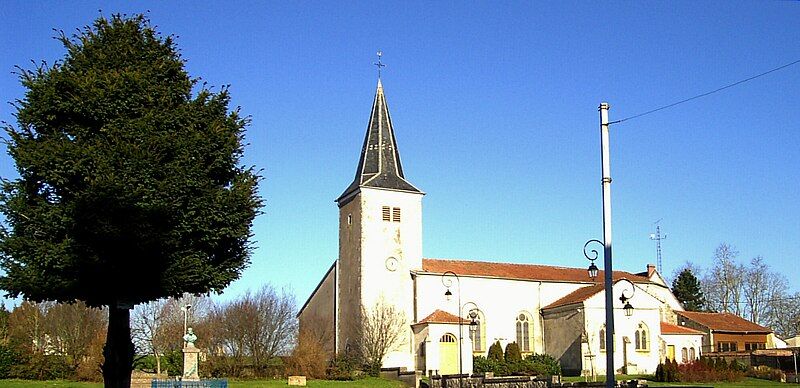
[[650, 270]]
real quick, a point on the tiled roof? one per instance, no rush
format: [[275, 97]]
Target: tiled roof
[[379, 165], [724, 322], [520, 271], [577, 296], [668, 328], [440, 316]]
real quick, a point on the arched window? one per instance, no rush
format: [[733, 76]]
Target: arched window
[[641, 337], [478, 337], [602, 336], [692, 356], [684, 355], [524, 323], [448, 338]]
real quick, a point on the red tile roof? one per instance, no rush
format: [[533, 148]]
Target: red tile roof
[[519, 271], [440, 316], [724, 322], [668, 328], [577, 296]]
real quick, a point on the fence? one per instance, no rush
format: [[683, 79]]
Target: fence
[[189, 384]]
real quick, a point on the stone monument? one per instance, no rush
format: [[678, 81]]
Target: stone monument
[[191, 357]]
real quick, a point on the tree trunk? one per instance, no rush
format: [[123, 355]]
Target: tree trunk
[[118, 350]]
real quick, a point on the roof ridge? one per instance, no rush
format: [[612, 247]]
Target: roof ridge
[[524, 264]]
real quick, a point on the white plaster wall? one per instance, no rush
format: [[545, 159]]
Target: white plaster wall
[[500, 300], [647, 310], [435, 331], [683, 341], [402, 241]]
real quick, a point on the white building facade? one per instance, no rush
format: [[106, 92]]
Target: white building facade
[[544, 309]]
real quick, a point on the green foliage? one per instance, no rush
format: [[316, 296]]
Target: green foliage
[[513, 353], [549, 364], [343, 368], [533, 365], [9, 357], [130, 187], [686, 289], [496, 352]]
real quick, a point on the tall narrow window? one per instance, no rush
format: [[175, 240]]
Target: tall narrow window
[[641, 336], [386, 212], [523, 332], [684, 355], [602, 336], [478, 337], [396, 214], [692, 356]]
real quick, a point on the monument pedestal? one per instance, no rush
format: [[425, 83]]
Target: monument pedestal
[[191, 361]]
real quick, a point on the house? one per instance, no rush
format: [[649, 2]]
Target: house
[[726, 332], [454, 309]]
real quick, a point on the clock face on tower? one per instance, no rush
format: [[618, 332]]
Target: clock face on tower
[[391, 264]]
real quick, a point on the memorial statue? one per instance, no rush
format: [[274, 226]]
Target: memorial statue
[[190, 338]]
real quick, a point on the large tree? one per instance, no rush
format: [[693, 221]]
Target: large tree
[[686, 289], [130, 187]]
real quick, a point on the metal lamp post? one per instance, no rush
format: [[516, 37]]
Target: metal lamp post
[[607, 256]]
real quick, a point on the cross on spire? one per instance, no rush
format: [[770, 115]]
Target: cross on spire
[[379, 64]]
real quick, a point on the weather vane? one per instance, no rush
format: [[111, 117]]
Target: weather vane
[[379, 64]]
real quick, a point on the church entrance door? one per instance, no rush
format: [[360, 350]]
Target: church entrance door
[[670, 352], [448, 355]]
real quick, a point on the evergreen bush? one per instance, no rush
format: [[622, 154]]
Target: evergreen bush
[[513, 353], [496, 352]]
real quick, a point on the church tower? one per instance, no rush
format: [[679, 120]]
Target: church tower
[[380, 238]]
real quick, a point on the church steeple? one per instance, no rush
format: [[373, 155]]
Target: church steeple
[[379, 165]]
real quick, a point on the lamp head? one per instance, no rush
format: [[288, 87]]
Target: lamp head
[[628, 309], [593, 271], [448, 295]]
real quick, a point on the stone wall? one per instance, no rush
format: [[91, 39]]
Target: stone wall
[[488, 382]]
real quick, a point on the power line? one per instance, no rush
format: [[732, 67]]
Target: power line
[[706, 93]]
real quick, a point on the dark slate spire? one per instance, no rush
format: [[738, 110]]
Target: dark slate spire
[[379, 165]]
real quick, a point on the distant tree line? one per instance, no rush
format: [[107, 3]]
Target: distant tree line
[[749, 289], [249, 336]]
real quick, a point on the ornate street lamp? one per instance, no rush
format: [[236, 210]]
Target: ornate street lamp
[[447, 281], [625, 299], [593, 270]]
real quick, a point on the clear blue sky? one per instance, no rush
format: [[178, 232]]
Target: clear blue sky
[[495, 112]]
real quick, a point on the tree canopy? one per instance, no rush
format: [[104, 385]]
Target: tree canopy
[[686, 289], [130, 187]]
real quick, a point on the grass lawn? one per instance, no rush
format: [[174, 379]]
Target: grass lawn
[[364, 383], [47, 384], [747, 382]]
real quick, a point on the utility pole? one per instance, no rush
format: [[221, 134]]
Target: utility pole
[[607, 268], [657, 237]]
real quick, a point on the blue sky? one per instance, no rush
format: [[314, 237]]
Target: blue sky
[[495, 112]]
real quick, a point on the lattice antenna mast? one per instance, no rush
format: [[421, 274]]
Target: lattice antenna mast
[[657, 237]]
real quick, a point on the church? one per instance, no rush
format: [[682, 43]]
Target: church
[[452, 310]]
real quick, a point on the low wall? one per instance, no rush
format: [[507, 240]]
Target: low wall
[[489, 382]]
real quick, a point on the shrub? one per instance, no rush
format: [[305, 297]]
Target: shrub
[[513, 353], [548, 363], [766, 373], [309, 357], [533, 365], [707, 371], [496, 352], [8, 358], [343, 368]]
